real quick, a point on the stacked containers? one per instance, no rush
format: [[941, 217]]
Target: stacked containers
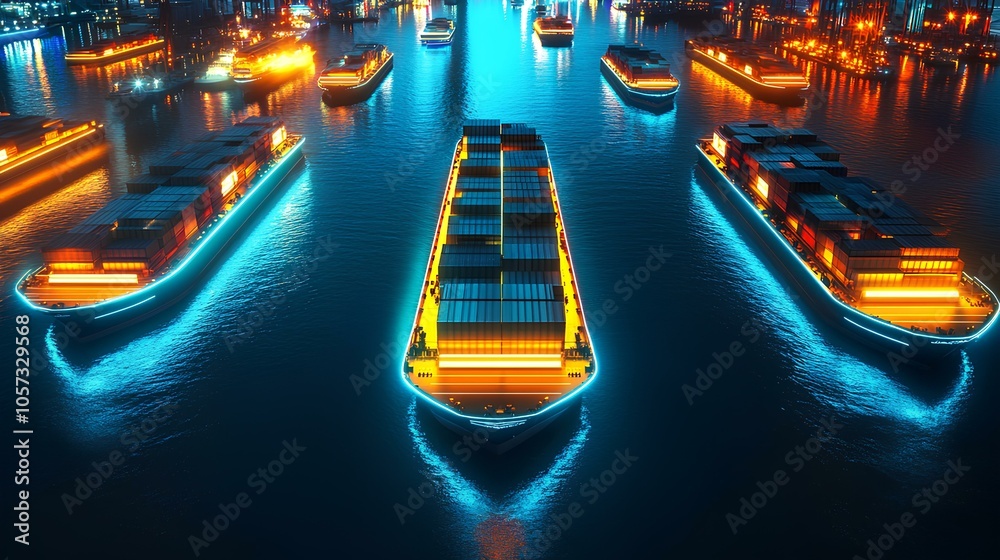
[[166, 207]]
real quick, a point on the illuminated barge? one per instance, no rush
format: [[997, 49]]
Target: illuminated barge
[[499, 346], [269, 63], [554, 31], [148, 248], [640, 76], [762, 74], [866, 260], [438, 32], [28, 143], [356, 75], [113, 50]]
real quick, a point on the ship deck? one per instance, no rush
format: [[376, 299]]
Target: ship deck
[[505, 379], [960, 317]]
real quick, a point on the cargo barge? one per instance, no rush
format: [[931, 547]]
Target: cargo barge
[[438, 32], [762, 74], [863, 258], [554, 31], [125, 46], [265, 65], [641, 77], [148, 248], [499, 346], [28, 143], [357, 75]]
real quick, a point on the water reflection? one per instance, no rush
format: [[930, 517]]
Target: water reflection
[[501, 526], [838, 382]]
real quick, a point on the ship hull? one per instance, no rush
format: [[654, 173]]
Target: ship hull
[[495, 439], [555, 40], [115, 57], [771, 94], [654, 102], [214, 85], [900, 345], [112, 316], [267, 83], [337, 96]]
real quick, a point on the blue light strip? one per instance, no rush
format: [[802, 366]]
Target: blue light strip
[[251, 192], [125, 308], [875, 332], [783, 242], [568, 396]]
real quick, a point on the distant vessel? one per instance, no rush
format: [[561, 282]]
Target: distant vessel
[[762, 74], [148, 248], [864, 259], [269, 63], [541, 8], [127, 45], [554, 31], [499, 346], [640, 76], [357, 75], [438, 32], [28, 143], [219, 73], [147, 88], [516, 3]]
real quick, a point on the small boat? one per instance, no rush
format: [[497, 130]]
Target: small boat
[[554, 31], [541, 8], [438, 32], [142, 89], [355, 76], [940, 59], [219, 73]]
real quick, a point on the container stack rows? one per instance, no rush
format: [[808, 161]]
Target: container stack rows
[[499, 282], [865, 235], [168, 207], [637, 63]]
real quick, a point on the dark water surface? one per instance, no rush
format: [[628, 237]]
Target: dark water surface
[[372, 184]]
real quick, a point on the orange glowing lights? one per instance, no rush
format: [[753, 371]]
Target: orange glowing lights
[[944, 294], [93, 279]]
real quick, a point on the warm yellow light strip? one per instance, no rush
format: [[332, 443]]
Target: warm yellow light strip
[[899, 294], [93, 279], [496, 361], [95, 56], [41, 152]]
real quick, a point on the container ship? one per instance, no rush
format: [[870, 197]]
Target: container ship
[[865, 259], [762, 74], [554, 31], [125, 46], [640, 76], [28, 143], [438, 32], [499, 346], [357, 75], [269, 63], [148, 248]]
